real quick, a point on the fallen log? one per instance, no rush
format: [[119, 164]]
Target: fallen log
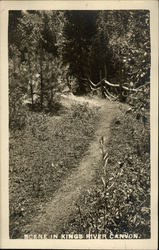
[[123, 87], [113, 85]]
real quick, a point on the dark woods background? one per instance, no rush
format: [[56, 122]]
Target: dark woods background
[[49, 50]]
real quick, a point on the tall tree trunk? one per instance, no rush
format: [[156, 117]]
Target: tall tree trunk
[[31, 91], [100, 74], [41, 75], [120, 82], [105, 72], [50, 99], [30, 83]]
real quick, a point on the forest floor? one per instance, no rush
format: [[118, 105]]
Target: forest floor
[[58, 181], [53, 216]]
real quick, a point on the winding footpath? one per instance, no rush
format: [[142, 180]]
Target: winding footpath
[[56, 212]]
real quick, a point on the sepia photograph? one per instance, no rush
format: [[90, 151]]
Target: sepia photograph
[[79, 128]]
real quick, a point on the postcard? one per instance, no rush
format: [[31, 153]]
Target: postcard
[[79, 119]]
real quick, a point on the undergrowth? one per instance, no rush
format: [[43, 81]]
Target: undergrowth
[[41, 155], [120, 202]]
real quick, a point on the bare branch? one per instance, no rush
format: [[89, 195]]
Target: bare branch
[[111, 84], [107, 96], [92, 88], [123, 87], [133, 90], [95, 85], [115, 97]]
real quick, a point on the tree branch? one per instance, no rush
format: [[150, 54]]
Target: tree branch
[[115, 97], [95, 85], [133, 90], [111, 84], [107, 96]]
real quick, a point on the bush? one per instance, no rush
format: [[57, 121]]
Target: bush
[[17, 114], [16, 88]]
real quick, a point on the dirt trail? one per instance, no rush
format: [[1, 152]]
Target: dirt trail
[[69, 99], [57, 211]]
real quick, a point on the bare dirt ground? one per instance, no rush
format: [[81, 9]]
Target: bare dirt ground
[[54, 215]]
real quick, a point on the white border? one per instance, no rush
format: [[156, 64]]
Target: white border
[[5, 242]]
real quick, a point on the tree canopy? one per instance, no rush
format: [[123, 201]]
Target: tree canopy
[[71, 48]]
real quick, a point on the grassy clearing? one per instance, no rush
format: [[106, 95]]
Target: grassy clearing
[[120, 202], [41, 155]]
